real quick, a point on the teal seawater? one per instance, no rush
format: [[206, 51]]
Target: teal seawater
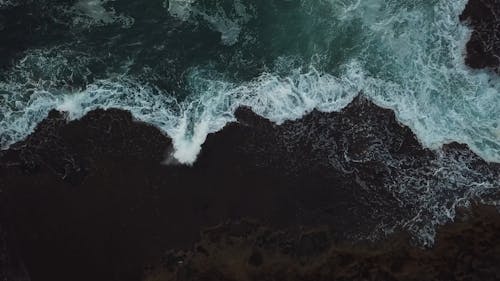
[[186, 65]]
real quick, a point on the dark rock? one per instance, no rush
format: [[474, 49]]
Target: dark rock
[[393, 259], [314, 243], [483, 48], [90, 200], [255, 258], [92, 196]]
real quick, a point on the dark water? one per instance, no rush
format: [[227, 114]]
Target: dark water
[[185, 66]]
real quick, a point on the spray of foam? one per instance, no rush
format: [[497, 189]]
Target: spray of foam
[[90, 13], [431, 194], [230, 27], [417, 72], [427, 84], [189, 122]]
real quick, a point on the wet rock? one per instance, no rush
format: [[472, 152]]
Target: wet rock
[[483, 48], [393, 259], [255, 258], [96, 188]]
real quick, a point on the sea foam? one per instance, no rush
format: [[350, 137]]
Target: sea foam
[[417, 72]]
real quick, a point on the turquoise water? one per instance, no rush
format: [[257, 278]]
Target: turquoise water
[[185, 66]]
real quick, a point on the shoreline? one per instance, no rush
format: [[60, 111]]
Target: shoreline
[[96, 190], [94, 198]]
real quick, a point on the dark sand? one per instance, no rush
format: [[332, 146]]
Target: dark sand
[[90, 200]]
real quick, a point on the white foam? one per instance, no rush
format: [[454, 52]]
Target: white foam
[[188, 123], [90, 13], [425, 82], [430, 88], [179, 8], [229, 27]]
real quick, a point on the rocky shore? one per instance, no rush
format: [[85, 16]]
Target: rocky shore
[[101, 199], [466, 250], [483, 48], [96, 197]]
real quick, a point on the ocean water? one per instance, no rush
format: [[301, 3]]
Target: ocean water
[[184, 66]]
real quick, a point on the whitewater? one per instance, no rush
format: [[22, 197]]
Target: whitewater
[[407, 56]]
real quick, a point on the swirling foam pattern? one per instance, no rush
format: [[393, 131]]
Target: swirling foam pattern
[[282, 58]]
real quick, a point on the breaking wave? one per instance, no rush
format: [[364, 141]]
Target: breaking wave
[[407, 57]]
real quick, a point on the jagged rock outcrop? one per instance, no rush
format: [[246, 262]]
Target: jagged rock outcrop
[[483, 48], [465, 250], [94, 196]]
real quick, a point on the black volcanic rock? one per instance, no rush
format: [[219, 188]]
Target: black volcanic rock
[[483, 48], [11, 266], [465, 250], [90, 200], [93, 197]]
